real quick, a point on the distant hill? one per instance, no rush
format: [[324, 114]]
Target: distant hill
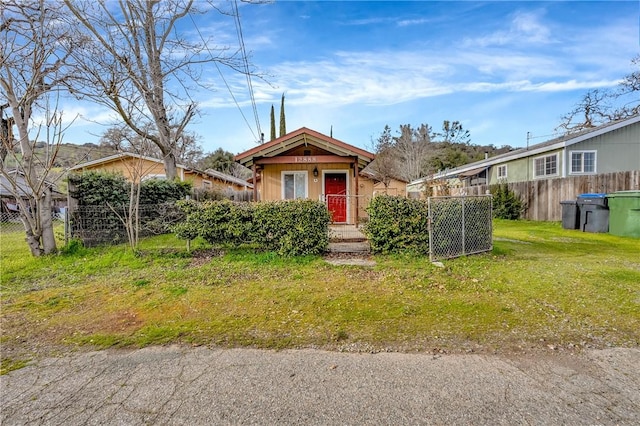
[[67, 155]]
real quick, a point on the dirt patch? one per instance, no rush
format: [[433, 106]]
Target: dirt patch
[[204, 256], [354, 259]]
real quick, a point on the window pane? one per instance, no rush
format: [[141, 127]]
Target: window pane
[[551, 165], [539, 166], [589, 162], [300, 185], [288, 187], [576, 162]]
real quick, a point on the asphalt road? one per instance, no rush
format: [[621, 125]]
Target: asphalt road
[[191, 386]]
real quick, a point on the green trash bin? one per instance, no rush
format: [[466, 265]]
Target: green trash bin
[[624, 213]]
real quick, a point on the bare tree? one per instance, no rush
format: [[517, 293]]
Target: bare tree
[[386, 164], [628, 93], [140, 65], [600, 106], [592, 111], [412, 148], [453, 133], [123, 139], [34, 54]]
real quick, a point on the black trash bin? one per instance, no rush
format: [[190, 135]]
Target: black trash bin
[[570, 214], [594, 212]]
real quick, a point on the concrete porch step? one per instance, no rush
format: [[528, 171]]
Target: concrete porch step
[[359, 247]]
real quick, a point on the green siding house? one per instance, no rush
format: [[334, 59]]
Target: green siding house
[[612, 147]]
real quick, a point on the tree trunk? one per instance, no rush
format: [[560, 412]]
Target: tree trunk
[[46, 222], [170, 167]]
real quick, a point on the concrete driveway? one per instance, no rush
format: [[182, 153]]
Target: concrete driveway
[[192, 386]]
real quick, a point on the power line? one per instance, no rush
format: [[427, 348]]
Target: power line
[[246, 65], [222, 76]]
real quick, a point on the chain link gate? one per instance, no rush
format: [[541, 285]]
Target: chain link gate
[[459, 226]]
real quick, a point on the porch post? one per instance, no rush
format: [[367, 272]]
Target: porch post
[[355, 167]]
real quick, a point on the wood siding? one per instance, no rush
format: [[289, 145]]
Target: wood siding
[[271, 180], [136, 169], [542, 197]]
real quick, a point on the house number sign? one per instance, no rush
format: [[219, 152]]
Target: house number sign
[[306, 160]]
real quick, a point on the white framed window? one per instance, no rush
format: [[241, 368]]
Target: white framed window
[[294, 185], [545, 166], [583, 162], [502, 171], [153, 176]]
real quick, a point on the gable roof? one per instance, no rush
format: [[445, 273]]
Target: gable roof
[[208, 173], [18, 185], [307, 137], [563, 141]]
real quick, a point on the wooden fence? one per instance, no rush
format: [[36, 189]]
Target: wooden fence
[[542, 197]]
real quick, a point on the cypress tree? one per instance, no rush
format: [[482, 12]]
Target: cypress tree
[[283, 125], [273, 123]]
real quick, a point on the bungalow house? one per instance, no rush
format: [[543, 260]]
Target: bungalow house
[[136, 167], [603, 159], [309, 164], [610, 148], [15, 184]]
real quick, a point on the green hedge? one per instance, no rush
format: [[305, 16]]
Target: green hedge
[[99, 188], [290, 228], [398, 224], [99, 193]]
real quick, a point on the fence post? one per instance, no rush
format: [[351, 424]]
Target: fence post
[[430, 225], [464, 250], [66, 227]]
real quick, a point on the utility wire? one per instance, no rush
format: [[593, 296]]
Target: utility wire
[[246, 66], [222, 76]]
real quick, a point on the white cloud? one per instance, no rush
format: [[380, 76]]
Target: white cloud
[[524, 28], [389, 78], [409, 22]]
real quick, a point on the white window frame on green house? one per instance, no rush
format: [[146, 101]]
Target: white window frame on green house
[[501, 171], [297, 175], [546, 173], [581, 170]]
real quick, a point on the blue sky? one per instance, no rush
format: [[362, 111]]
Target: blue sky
[[501, 68]]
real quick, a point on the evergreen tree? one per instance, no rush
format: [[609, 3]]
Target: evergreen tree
[[273, 123], [283, 125]]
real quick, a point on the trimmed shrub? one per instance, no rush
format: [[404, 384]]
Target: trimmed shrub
[[293, 227], [99, 188], [159, 191], [398, 224], [100, 193], [218, 222], [290, 228]]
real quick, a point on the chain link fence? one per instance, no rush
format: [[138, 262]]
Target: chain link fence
[[95, 225], [459, 226], [10, 222]]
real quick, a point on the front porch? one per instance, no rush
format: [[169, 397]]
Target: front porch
[[347, 209], [346, 233], [347, 240]]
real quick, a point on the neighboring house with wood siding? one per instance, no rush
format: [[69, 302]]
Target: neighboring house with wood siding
[[309, 164], [137, 168], [610, 148]]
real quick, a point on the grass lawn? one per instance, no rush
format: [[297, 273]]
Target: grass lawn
[[542, 288]]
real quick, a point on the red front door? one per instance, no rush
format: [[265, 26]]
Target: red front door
[[335, 189]]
